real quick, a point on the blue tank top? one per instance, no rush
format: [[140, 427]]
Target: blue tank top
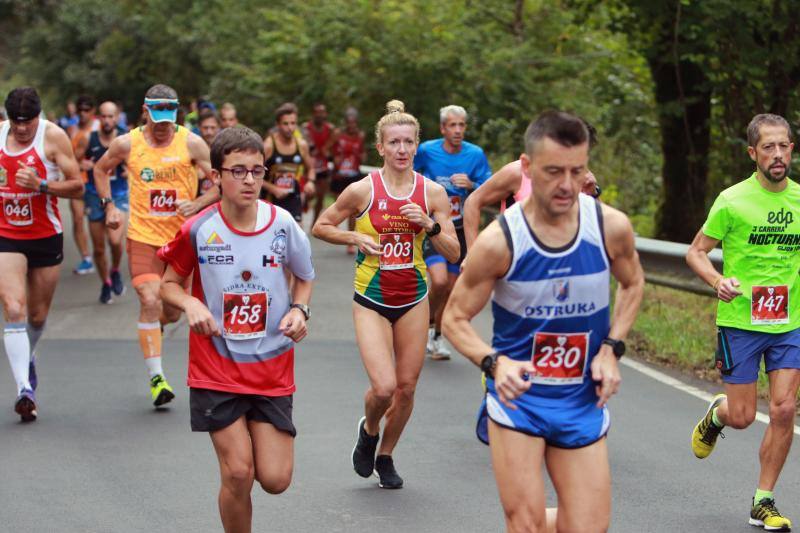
[[552, 306], [95, 150]]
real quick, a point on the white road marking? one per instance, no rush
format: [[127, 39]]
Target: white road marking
[[681, 386]]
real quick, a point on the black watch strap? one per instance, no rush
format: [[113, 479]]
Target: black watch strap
[[303, 308], [105, 201], [488, 364], [617, 346], [435, 230]]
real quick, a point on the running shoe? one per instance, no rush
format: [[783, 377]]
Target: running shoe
[[705, 433], [429, 344], [116, 283], [160, 390], [387, 475], [105, 294], [440, 352], [32, 378], [364, 450], [84, 267], [25, 406], [765, 514]]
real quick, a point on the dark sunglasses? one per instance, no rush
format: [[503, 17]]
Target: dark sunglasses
[[163, 107]]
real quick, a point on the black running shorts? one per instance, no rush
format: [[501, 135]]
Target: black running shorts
[[212, 410], [40, 253]]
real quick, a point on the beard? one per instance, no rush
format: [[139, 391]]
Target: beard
[[775, 179]]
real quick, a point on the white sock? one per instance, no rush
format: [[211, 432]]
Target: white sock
[[34, 334], [153, 365], [18, 350]]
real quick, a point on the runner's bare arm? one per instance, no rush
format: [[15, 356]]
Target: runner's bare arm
[[627, 270], [201, 157], [353, 200], [200, 319], [470, 294], [500, 186], [308, 163], [58, 149], [117, 153], [293, 323], [698, 261], [446, 242], [80, 153]]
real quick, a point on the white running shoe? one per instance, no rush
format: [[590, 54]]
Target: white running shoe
[[440, 351], [429, 345]]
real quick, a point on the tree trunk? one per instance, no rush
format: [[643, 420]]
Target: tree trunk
[[683, 98]]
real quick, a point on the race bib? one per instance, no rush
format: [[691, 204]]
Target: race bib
[[348, 164], [244, 315], [455, 207], [398, 250], [769, 304], [285, 181], [163, 202], [559, 358], [18, 211]]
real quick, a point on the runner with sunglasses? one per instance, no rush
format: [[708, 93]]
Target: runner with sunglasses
[[163, 160]]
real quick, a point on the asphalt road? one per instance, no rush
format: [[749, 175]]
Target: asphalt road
[[100, 459]]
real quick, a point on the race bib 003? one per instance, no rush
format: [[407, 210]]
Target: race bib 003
[[18, 211], [559, 358], [244, 315], [163, 202], [769, 304], [398, 250]]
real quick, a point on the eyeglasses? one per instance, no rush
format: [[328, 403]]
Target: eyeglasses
[[167, 106], [240, 172]]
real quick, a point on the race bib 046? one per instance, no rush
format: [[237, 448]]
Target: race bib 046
[[244, 315], [559, 358], [769, 304], [398, 250], [18, 211], [163, 202]]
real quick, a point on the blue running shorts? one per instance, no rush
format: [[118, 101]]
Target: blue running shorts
[[739, 353]]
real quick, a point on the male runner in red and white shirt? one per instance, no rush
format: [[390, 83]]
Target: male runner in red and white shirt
[[34, 154], [243, 321]]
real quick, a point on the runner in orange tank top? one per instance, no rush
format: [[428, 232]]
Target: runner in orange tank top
[[163, 160]]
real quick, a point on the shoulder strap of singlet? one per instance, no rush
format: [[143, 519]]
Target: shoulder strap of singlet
[[38, 139], [601, 227], [5, 127], [501, 220], [372, 176]]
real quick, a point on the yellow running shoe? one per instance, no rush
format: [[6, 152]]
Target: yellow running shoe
[[704, 436], [765, 514], [160, 390]]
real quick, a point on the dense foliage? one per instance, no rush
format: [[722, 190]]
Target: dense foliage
[[504, 60]]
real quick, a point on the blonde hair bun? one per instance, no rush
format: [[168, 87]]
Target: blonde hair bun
[[395, 106]]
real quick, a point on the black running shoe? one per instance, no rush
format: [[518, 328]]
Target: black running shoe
[[364, 450], [389, 478]]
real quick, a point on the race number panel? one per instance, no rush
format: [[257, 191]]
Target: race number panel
[[398, 250], [348, 164], [285, 182], [559, 358], [769, 304], [455, 207], [18, 211], [244, 315], [163, 202]]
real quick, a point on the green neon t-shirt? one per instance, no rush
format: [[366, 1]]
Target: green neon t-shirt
[[760, 235]]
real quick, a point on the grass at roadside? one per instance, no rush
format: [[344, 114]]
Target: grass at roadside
[[677, 329]]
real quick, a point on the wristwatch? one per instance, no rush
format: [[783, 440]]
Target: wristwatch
[[435, 230], [105, 201], [617, 346], [303, 308], [43, 186], [488, 363]]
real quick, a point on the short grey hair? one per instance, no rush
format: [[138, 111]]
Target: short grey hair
[[161, 91], [754, 128], [448, 110]]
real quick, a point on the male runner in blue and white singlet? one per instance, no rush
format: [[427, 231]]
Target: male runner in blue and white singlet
[[552, 366]]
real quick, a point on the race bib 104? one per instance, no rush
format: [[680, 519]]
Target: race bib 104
[[163, 202], [244, 315], [769, 304], [559, 358], [18, 211], [398, 250]]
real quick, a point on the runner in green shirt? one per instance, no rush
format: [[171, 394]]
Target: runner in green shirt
[[758, 223]]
